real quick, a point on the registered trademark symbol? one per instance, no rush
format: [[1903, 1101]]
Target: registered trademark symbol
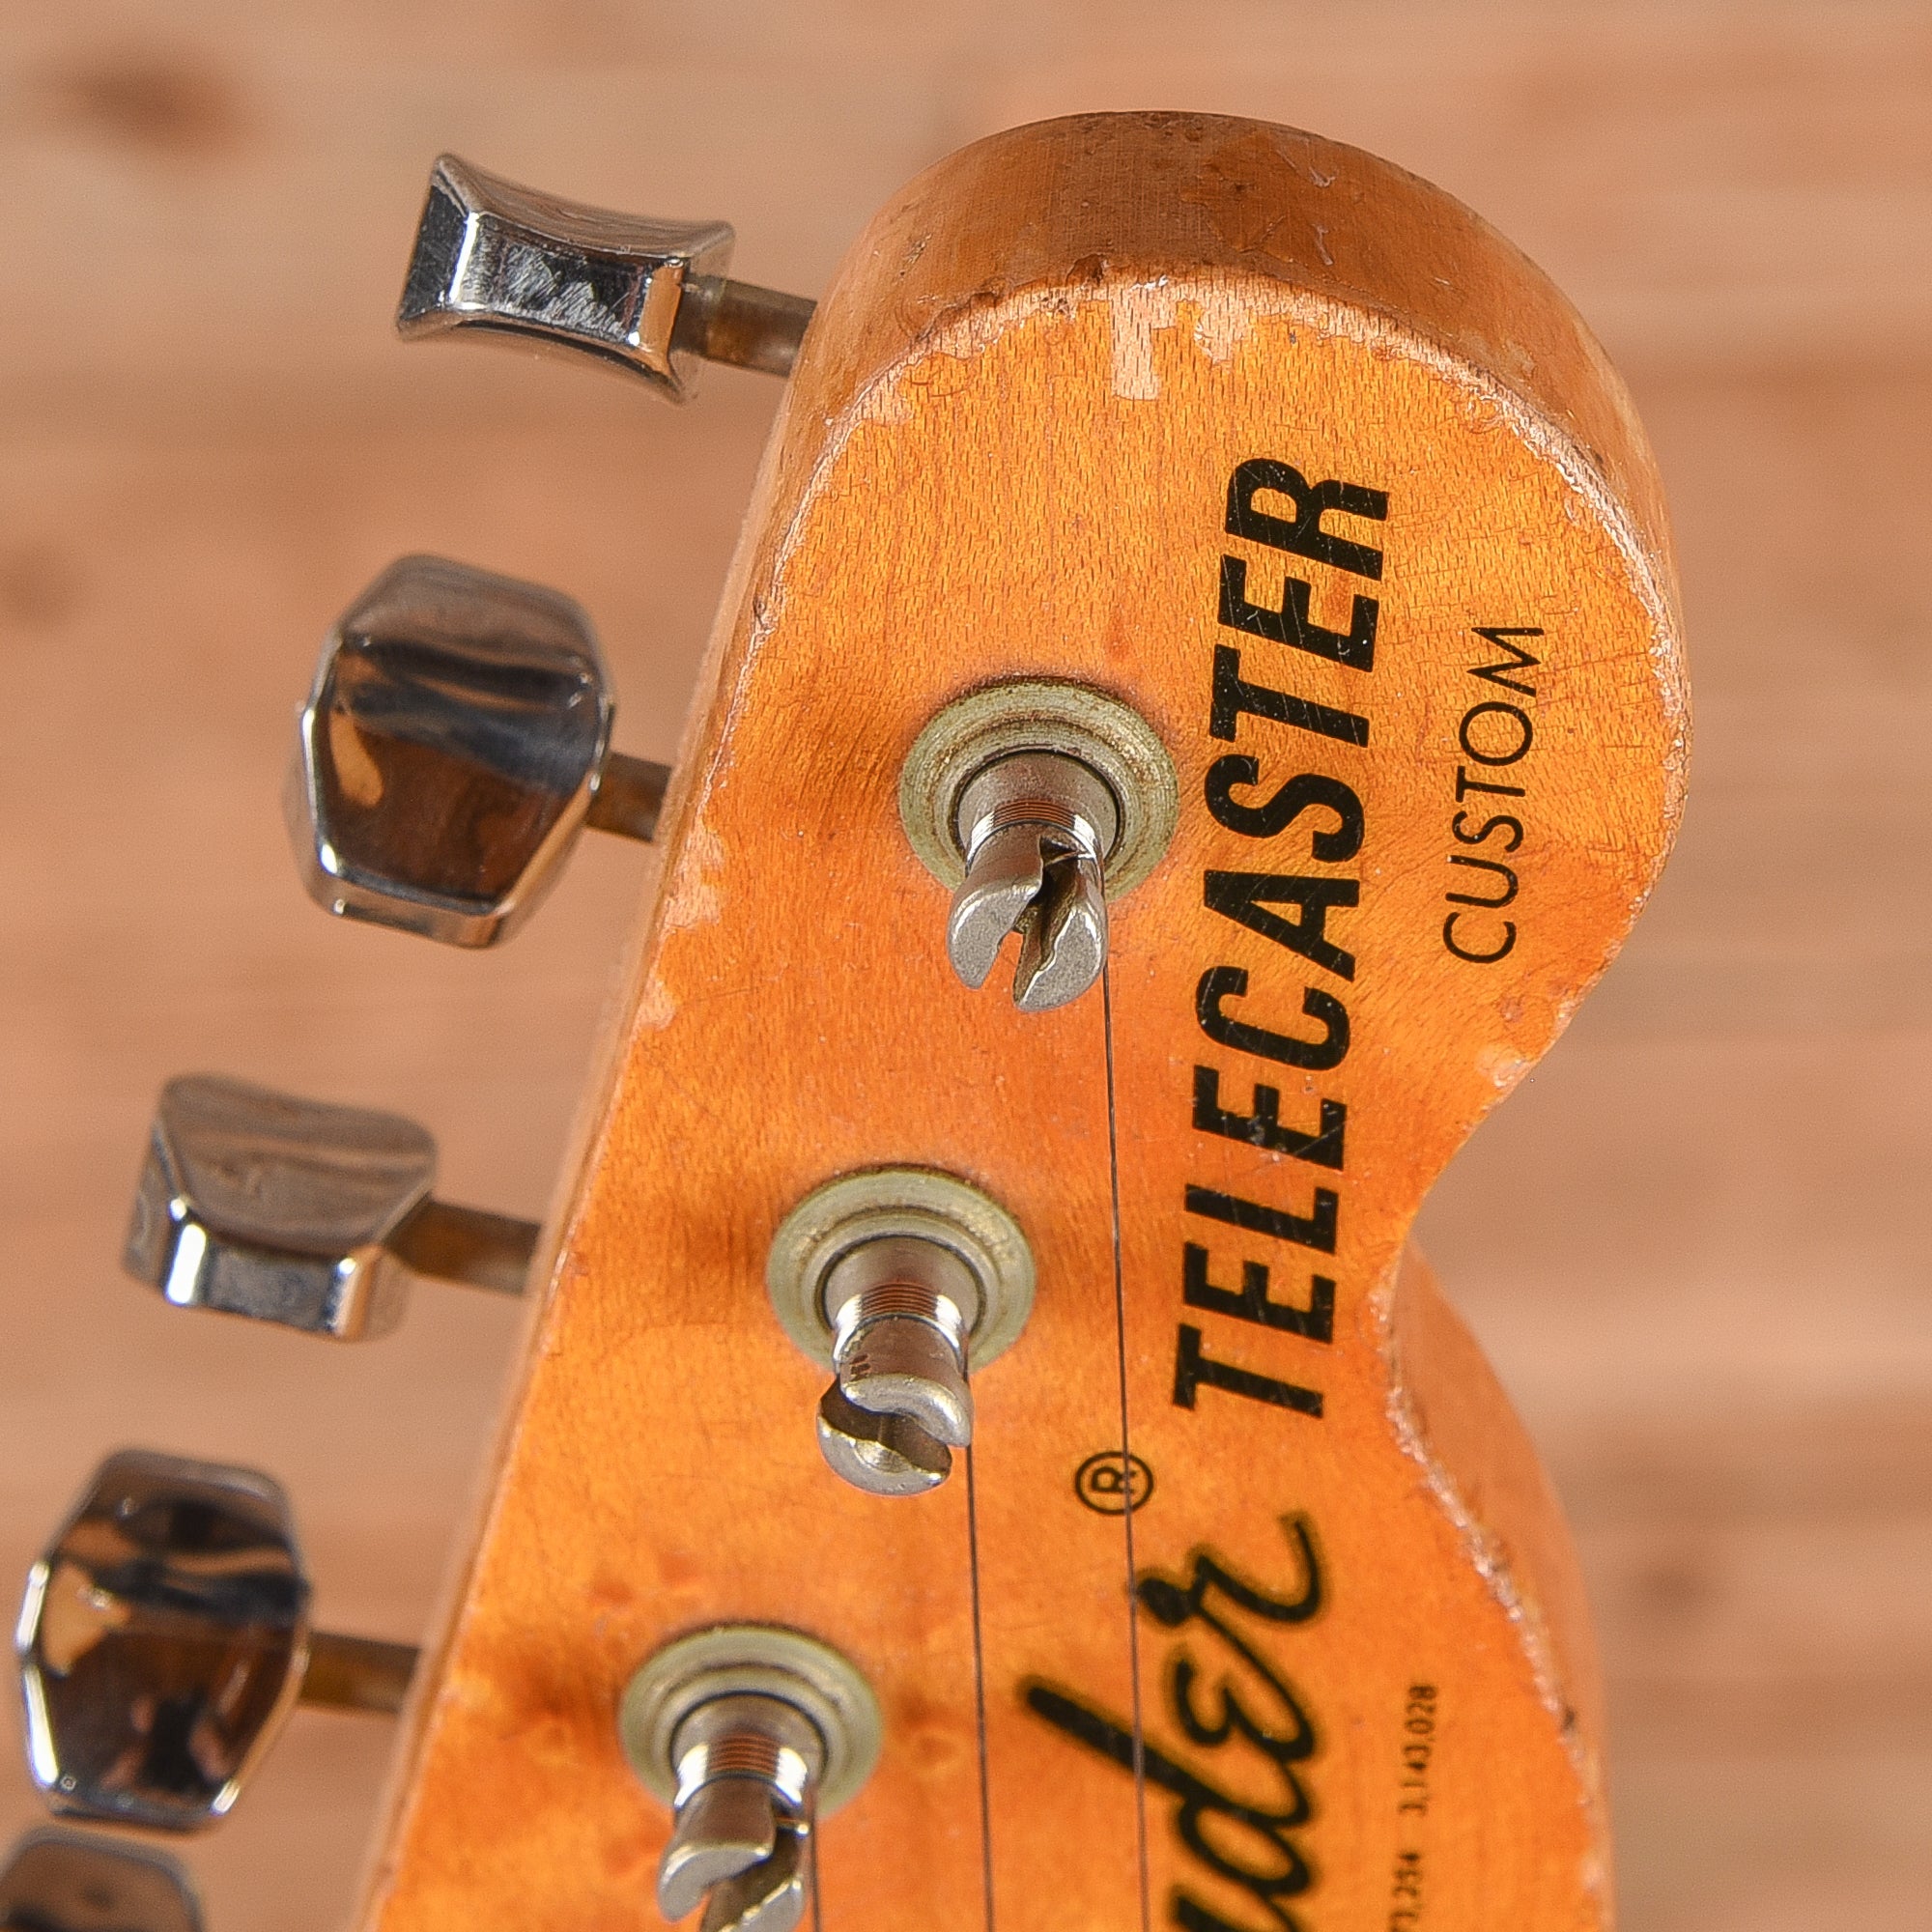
[[1113, 1483]]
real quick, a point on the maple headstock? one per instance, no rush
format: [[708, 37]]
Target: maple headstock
[[1291, 457], [1218, 556]]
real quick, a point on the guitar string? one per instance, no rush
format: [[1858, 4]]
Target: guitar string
[[1127, 1447], [979, 1691], [811, 1854]]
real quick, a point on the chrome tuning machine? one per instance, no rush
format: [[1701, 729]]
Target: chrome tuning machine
[[648, 297], [315, 1216], [165, 1635], [456, 740], [64, 1882]]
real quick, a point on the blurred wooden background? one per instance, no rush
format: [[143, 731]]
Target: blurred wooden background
[[1695, 1244]]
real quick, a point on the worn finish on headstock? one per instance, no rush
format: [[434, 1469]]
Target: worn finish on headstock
[[1007, 451]]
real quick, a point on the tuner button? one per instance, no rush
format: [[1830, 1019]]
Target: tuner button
[[647, 295], [61, 1882], [454, 743], [258, 1204], [161, 1640], [165, 1636]]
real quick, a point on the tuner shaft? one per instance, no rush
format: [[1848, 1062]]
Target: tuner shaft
[[900, 1311], [744, 326], [1036, 830], [630, 795], [469, 1245], [356, 1673], [748, 1769]]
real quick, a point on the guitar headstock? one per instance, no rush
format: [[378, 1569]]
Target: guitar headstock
[[977, 1448]]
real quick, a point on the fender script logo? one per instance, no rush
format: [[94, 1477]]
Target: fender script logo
[[1242, 1835]]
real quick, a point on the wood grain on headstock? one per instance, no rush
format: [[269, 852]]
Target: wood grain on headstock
[[1007, 451]]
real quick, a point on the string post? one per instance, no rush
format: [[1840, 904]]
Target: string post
[[1036, 830], [748, 1768], [901, 1310], [750, 1733]]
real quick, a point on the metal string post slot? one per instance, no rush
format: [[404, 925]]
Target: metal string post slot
[[1036, 830]]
